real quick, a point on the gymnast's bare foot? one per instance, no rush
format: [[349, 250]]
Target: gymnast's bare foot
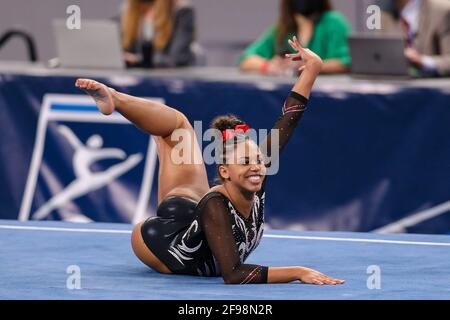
[[99, 92]]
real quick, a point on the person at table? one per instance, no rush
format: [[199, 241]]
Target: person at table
[[318, 28], [158, 33], [425, 25]]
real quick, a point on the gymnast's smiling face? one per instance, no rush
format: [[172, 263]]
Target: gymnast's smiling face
[[244, 167]]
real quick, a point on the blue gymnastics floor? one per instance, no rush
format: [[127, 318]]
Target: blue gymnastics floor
[[34, 258]]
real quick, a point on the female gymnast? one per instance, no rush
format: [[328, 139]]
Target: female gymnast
[[207, 231]]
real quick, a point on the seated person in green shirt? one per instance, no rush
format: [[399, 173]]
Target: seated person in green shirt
[[317, 27]]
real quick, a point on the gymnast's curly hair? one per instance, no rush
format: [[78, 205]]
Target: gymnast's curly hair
[[222, 123]]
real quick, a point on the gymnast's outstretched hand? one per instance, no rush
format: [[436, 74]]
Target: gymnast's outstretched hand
[[310, 66], [307, 58]]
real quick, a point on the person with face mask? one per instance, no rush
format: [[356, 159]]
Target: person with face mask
[[318, 28]]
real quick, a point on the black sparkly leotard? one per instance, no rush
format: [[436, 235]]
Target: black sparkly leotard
[[211, 238]]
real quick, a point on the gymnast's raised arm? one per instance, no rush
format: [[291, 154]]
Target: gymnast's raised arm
[[295, 103], [292, 112]]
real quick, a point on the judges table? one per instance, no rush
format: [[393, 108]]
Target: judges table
[[367, 153]]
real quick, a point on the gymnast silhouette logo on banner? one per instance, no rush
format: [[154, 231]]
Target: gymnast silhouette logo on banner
[[88, 167], [86, 180]]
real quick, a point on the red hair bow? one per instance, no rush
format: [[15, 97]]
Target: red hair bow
[[231, 133]]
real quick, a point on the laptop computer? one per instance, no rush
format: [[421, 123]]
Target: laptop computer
[[96, 45], [378, 56]]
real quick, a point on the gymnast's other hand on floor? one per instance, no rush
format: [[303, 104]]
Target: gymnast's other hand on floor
[[312, 276]]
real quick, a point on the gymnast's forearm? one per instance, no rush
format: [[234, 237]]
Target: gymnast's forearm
[[294, 106], [150, 116], [292, 112]]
